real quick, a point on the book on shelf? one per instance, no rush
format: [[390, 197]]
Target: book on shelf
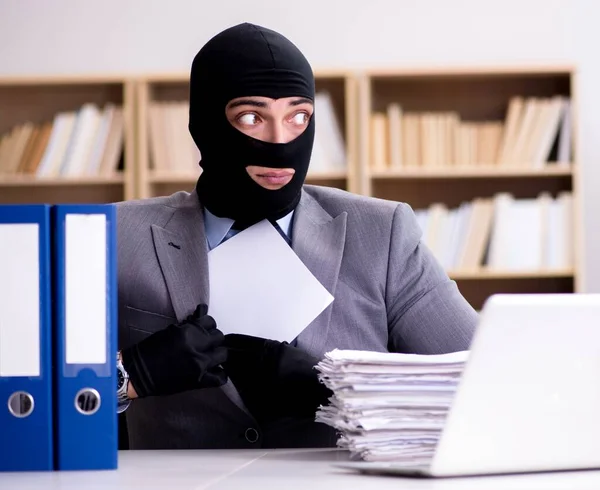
[[87, 142], [173, 151], [329, 149], [536, 132], [501, 233]]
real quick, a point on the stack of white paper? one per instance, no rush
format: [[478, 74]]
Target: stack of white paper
[[389, 406]]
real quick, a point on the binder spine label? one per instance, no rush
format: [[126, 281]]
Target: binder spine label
[[85, 295], [19, 300]]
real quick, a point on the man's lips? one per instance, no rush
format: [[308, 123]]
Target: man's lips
[[276, 177]]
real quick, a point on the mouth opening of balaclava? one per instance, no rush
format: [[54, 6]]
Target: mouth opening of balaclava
[[243, 61]]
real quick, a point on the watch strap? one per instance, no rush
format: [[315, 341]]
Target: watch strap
[[123, 400]]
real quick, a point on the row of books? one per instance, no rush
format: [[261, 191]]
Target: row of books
[[172, 148], [502, 233], [89, 141], [535, 131], [86, 142]]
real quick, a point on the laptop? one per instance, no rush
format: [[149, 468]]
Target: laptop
[[529, 397]]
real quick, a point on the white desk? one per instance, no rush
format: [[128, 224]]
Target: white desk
[[265, 470]]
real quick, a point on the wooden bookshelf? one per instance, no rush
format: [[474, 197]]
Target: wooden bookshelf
[[165, 178], [435, 138], [36, 101], [475, 172], [448, 173]]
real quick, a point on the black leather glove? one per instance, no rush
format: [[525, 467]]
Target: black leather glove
[[183, 356], [274, 378]]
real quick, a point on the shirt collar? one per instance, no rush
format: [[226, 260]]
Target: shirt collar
[[216, 228]]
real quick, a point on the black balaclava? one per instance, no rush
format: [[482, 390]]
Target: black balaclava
[[242, 61]]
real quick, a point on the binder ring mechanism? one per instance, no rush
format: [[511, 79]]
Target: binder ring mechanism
[[87, 401], [20, 404]]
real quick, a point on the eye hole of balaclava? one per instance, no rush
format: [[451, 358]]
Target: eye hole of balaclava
[[271, 120]]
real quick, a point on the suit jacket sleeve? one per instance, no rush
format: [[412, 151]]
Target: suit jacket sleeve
[[426, 312]]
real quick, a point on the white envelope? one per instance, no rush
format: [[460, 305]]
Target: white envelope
[[260, 287]]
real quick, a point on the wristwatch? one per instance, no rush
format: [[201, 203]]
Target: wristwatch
[[123, 400]]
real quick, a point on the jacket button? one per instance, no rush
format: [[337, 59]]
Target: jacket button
[[251, 435]]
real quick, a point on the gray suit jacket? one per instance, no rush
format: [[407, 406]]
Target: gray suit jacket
[[390, 295]]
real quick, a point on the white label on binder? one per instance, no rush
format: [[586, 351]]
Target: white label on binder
[[85, 289], [19, 300]]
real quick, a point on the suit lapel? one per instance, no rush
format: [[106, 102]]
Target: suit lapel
[[183, 257], [182, 253], [318, 239]]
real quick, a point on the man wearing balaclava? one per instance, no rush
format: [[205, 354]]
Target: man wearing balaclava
[[253, 120], [241, 62]]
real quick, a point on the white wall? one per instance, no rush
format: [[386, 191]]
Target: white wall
[[132, 36], [49, 36]]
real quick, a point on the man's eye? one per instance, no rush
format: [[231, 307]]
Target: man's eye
[[248, 119], [300, 118]]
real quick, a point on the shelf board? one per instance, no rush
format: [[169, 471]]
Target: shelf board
[[472, 172], [33, 181], [175, 178], [491, 274], [184, 77], [172, 178], [335, 175], [87, 79], [469, 70]]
